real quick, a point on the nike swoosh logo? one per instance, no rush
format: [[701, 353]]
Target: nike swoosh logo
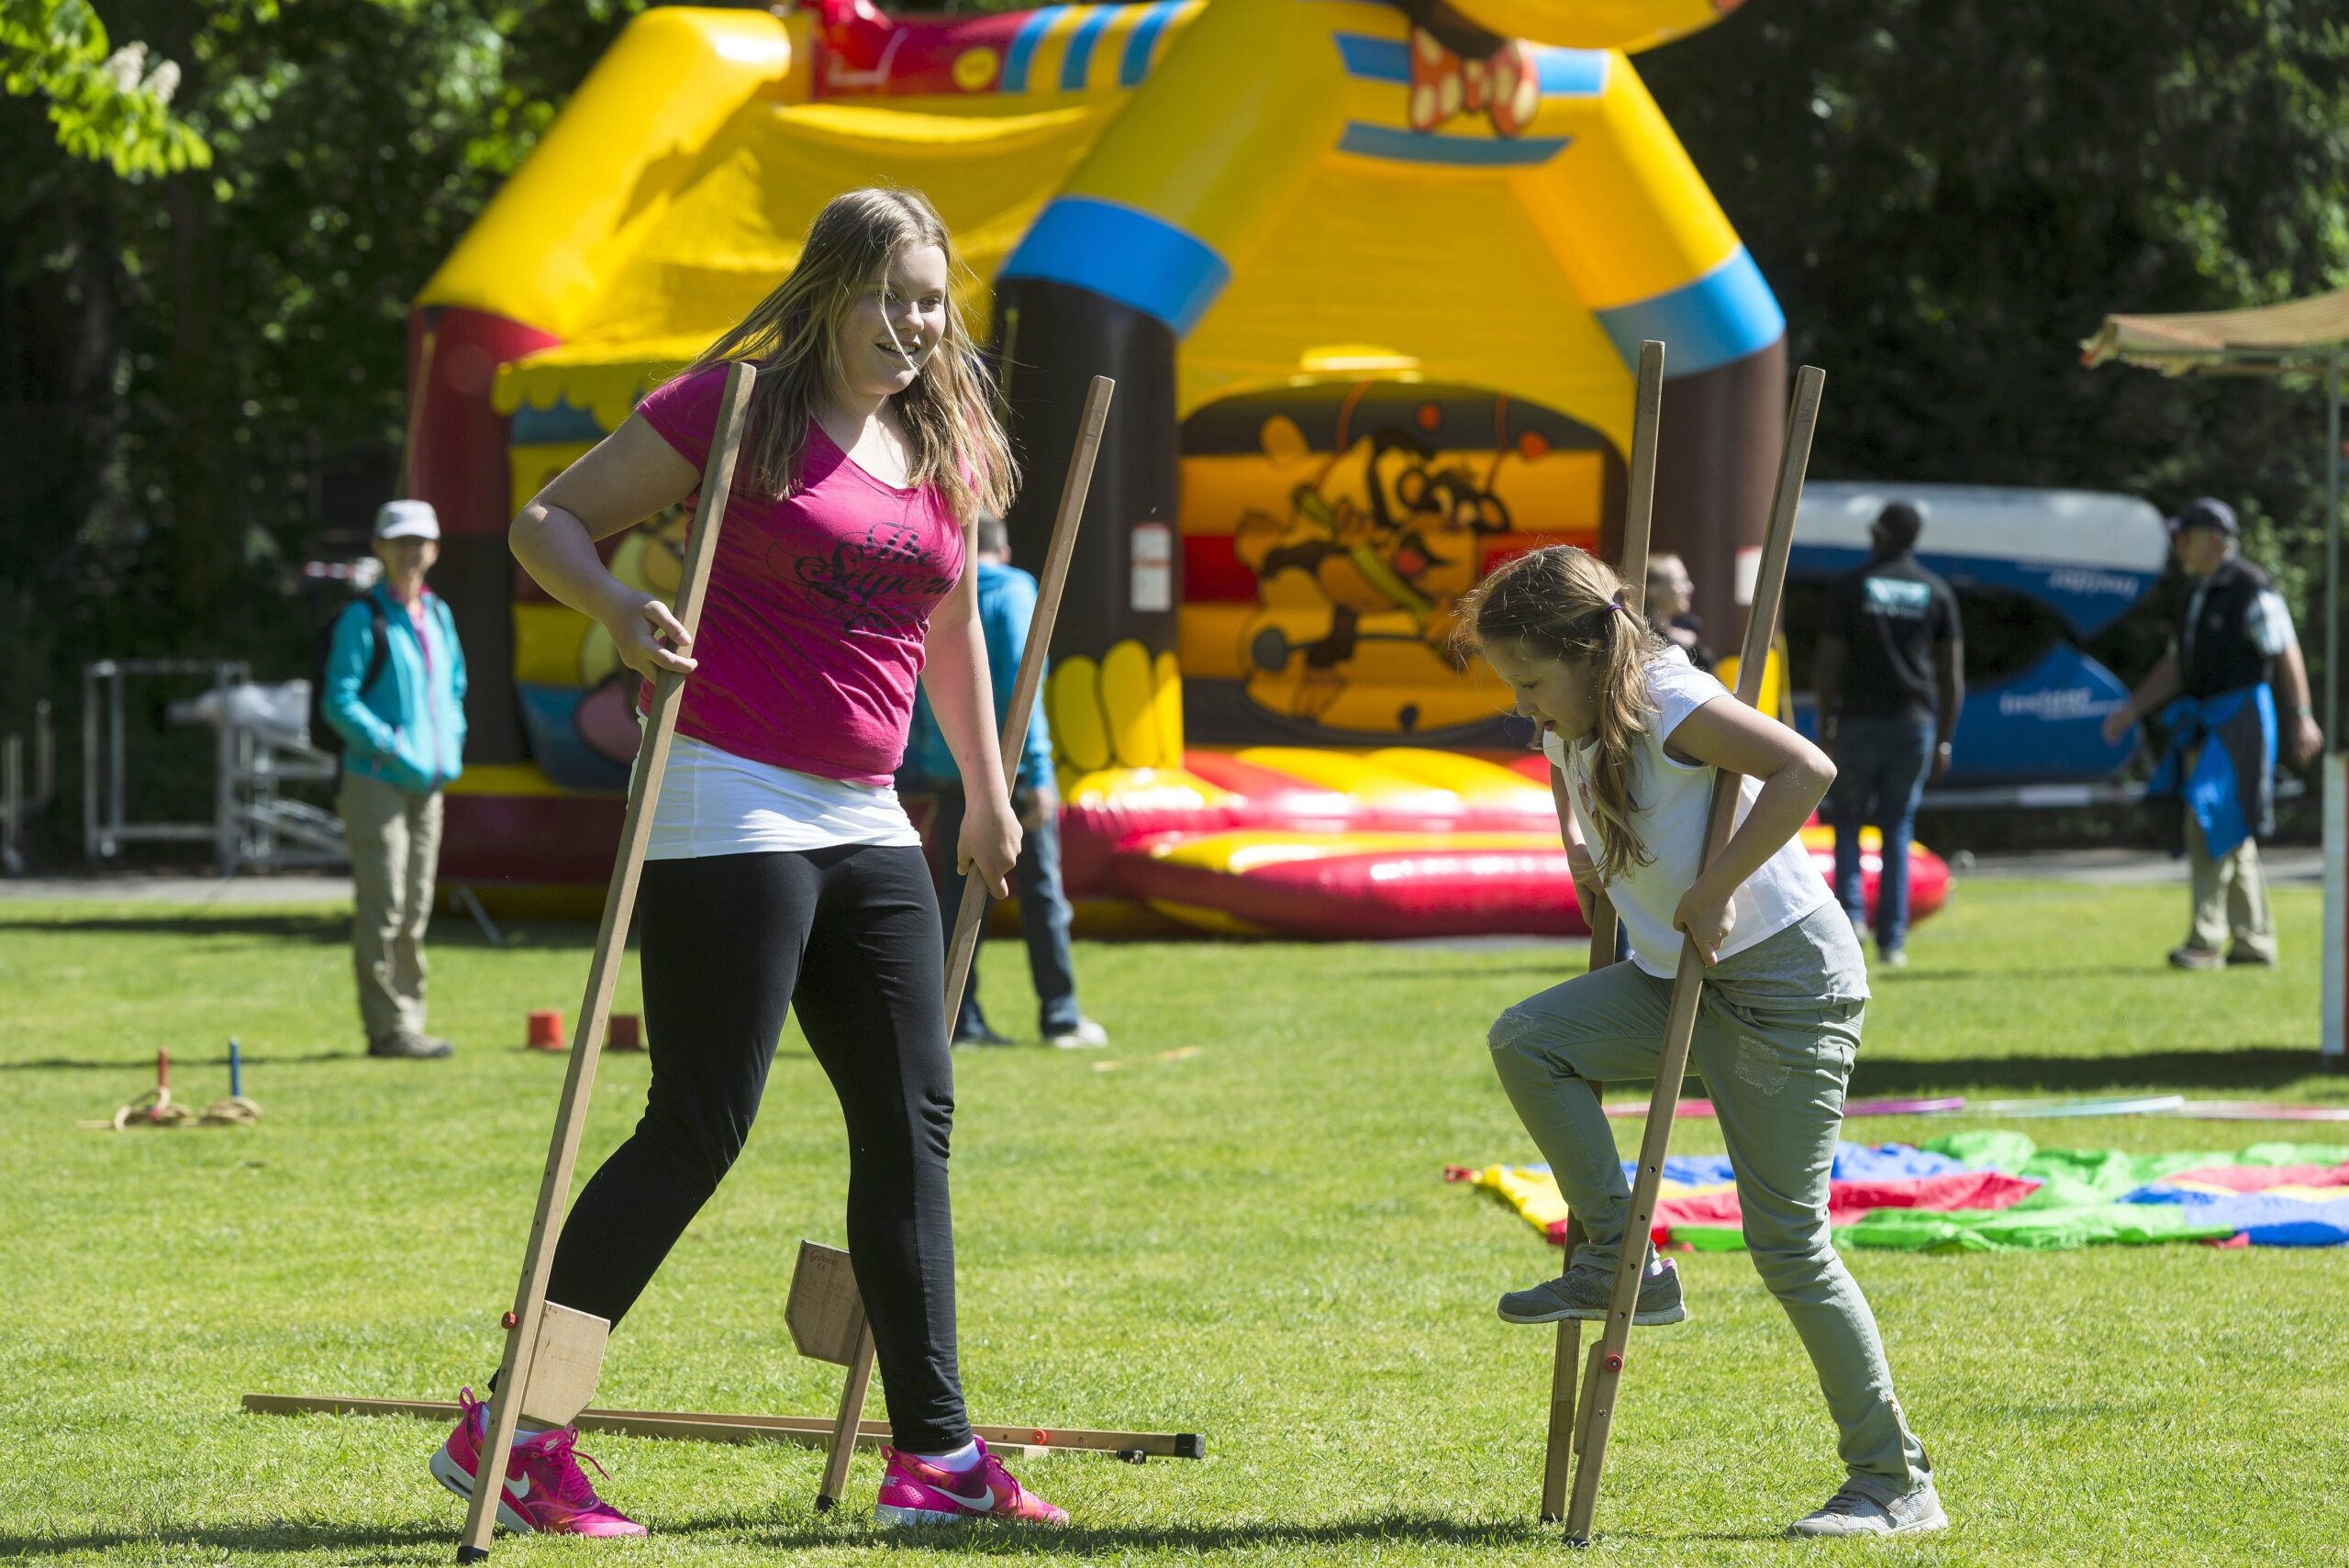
[[517, 1486], [984, 1502]]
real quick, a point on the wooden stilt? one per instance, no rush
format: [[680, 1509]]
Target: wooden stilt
[[1638, 510], [841, 1444], [523, 1323], [973, 907], [1606, 1374]]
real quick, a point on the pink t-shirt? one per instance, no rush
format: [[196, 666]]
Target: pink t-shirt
[[810, 641]]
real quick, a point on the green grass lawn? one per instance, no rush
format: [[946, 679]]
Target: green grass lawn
[[1248, 1239]]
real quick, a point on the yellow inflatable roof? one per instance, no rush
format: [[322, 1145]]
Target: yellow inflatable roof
[[671, 193]]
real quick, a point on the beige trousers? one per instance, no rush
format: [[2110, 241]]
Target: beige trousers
[[395, 839], [2229, 897]]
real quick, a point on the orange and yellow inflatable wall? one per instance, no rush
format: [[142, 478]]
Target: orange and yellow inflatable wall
[[1369, 275]]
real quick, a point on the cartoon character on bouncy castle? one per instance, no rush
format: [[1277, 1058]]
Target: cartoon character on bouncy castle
[[1377, 548]]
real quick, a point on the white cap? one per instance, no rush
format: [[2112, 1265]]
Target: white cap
[[408, 519]]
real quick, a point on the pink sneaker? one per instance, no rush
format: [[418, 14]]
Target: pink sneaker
[[546, 1492], [915, 1492]]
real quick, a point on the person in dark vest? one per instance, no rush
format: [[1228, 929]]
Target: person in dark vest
[[1889, 679], [2232, 656]]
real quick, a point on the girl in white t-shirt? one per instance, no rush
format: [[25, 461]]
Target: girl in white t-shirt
[[1636, 737]]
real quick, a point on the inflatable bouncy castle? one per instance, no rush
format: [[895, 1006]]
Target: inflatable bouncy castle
[[1369, 277]]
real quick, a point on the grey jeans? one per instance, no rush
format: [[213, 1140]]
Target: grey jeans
[[1775, 1036], [395, 839]]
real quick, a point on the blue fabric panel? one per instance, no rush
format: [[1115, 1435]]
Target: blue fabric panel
[[1022, 53], [1126, 254], [1719, 318], [1395, 145], [1079, 59], [1135, 66]]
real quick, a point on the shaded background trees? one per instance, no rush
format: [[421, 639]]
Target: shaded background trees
[[213, 245]]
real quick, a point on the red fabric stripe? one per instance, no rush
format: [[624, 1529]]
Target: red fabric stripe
[[1846, 1201], [2259, 1178]]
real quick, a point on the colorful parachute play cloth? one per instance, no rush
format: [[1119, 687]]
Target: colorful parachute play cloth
[[1998, 1191]]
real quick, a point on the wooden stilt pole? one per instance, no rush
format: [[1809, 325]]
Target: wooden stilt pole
[[1639, 511], [522, 1324], [973, 907], [841, 1443], [1605, 1377]]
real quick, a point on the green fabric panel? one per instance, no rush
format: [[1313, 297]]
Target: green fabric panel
[[1995, 1229], [2294, 1155], [1710, 1238], [2022, 1231], [2003, 1150]]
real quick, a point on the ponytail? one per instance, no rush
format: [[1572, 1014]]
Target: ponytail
[[1563, 603]]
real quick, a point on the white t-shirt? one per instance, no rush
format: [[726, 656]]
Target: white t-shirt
[[1671, 801], [714, 803]]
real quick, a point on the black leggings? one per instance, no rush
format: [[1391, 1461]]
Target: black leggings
[[850, 937]]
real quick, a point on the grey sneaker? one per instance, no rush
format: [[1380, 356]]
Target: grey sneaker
[[409, 1048], [1087, 1036], [2194, 958], [1854, 1511], [1893, 958], [1583, 1291], [2242, 957]]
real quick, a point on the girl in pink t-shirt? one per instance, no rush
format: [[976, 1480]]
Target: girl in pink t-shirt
[[783, 873]]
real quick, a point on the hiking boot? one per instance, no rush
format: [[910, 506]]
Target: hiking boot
[[2193, 958], [409, 1048], [1085, 1035], [1855, 1511], [1586, 1288], [546, 1492], [915, 1492]]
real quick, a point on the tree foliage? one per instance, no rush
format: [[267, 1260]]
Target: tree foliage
[[108, 105], [204, 365], [1948, 195]]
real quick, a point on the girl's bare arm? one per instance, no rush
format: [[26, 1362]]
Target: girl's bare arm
[[625, 478], [1794, 775], [955, 675]]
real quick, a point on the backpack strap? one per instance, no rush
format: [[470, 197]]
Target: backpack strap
[[381, 628]]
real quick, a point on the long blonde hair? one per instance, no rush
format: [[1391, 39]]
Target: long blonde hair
[[1563, 603], [959, 444]]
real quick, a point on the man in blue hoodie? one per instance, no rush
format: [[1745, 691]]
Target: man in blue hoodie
[[400, 710], [1006, 603]]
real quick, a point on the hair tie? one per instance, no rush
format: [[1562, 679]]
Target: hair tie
[[1618, 601]]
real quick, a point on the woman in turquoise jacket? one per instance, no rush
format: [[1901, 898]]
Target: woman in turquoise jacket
[[395, 693]]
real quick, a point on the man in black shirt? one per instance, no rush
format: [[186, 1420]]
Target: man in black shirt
[[1890, 678], [2233, 636]]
